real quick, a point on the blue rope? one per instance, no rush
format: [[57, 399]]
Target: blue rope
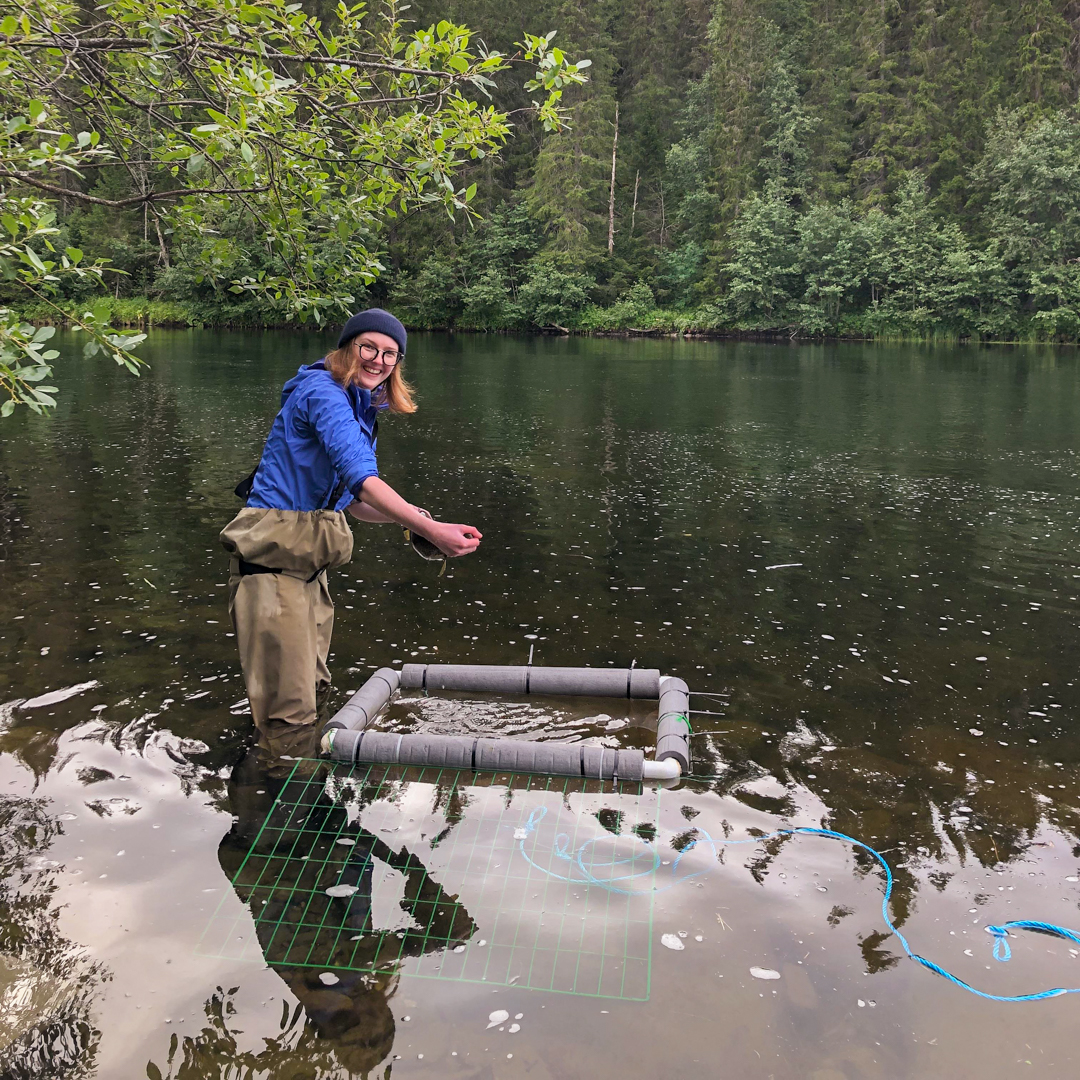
[[576, 861], [576, 865]]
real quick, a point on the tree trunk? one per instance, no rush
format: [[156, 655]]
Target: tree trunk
[[663, 216], [633, 212], [611, 194], [163, 251]]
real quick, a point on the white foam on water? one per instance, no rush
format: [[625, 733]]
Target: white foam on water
[[54, 697], [341, 890]]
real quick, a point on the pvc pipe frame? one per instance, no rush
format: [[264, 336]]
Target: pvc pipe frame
[[345, 737]]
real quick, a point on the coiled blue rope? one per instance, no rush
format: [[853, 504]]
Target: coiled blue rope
[[576, 860], [579, 873]]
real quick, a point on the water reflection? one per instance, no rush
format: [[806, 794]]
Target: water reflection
[[283, 855], [296, 1049], [865, 554], [48, 984]]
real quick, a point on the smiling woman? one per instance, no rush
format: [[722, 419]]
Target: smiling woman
[[372, 360], [318, 462]]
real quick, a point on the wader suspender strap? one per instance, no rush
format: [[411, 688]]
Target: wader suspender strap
[[335, 494], [243, 489]]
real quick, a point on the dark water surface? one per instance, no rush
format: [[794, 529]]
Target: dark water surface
[[866, 554]]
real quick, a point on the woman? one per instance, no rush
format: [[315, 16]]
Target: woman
[[318, 462]]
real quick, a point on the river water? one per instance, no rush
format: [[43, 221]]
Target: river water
[[864, 554]]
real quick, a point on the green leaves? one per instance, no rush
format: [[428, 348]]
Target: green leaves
[[554, 71], [24, 365], [305, 137]]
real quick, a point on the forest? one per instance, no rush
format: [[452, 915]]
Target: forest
[[844, 168]]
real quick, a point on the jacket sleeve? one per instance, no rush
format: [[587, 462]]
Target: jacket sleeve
[[346, 441]]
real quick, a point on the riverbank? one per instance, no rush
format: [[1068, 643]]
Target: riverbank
[[705, 322]]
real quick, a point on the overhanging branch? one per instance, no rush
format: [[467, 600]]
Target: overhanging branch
[[123, 44], [134, 200]]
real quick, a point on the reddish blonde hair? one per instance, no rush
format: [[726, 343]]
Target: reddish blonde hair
[[394, 391]]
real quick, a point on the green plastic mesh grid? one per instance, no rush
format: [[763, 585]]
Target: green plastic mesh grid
[[537, 882]]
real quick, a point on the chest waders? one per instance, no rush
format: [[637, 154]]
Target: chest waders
[[280, 605]]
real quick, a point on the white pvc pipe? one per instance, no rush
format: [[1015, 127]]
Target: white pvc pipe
[[668, 769]]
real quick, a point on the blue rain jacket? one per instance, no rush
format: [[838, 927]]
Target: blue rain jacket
[[324, 433]]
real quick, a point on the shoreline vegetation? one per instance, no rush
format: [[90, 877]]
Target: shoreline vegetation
[[744, 169], [146, 314]]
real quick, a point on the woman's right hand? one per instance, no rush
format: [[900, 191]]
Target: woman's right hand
[[453, 540]]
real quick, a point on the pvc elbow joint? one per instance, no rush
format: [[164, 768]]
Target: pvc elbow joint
[[668, 769]]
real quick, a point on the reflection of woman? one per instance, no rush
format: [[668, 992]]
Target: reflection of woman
[[281, 854], [318, 461]]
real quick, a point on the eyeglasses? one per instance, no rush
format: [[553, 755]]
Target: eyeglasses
[[369, 353]]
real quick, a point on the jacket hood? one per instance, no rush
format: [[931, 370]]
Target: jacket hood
[[318, 371]]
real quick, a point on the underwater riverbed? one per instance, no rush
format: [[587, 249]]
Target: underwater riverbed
[[865, 555]]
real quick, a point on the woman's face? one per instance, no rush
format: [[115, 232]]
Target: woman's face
[[368, 354]]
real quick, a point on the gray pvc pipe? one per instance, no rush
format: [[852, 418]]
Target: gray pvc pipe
[[463, 752], [594, 682], [367, 702], [673, 723], [499, 680]]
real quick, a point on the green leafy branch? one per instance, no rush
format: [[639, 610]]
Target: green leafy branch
[[318, 134]]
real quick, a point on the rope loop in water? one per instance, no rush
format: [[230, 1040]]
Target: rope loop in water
[[583, 870]]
